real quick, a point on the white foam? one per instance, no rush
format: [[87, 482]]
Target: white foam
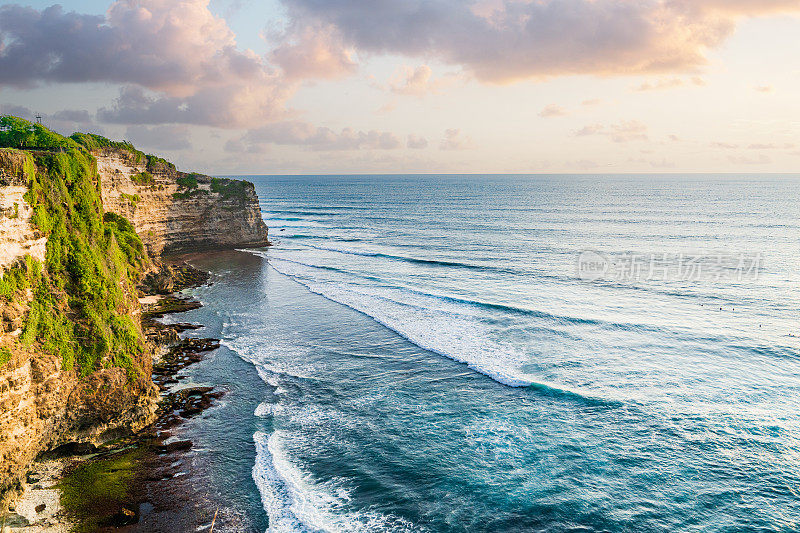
[[264, 410], [294, 502], [452, 329]]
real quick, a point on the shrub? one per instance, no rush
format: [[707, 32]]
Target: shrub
[[187, 182], [5, 355], [156, 164], [19, 133], [132, 198], [143, 178], [94, 142], [230, 189]]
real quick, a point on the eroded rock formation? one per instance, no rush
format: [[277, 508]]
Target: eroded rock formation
[[174, 211]]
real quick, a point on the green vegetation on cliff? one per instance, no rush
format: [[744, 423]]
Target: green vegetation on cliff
[[230, 188], [82, 295], [93, 142], [5, 355], [143, 178], [19, 133]]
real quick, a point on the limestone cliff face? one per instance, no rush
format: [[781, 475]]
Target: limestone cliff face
[[43, 406], [17, 236], [177, 212]]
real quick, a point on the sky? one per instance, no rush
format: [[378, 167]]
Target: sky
[[417, 86]]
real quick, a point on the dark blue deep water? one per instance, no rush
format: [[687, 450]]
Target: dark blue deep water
[[425, 353]]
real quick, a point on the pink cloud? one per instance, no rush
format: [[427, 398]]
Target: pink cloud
[[506, 40], [180, 61], [313, 52], [314, 138]]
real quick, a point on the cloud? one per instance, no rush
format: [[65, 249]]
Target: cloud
[[761, 159], [416, 143], [771, 146], [179, 52], [388, 107], [507, 40], [626, 131], [591, 129], [17, 111], [724, 145], [662, 163], [313, 51], [669, 83], [454, 140], [553, 110], [418, 81], [591, 102], [73, 115], [223, 107], [159, 137], [763, 88], [314, 138]]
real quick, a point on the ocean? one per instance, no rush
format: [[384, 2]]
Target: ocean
[[509, 353]]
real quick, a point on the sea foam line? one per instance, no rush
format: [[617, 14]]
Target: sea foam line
[[468, 342], [295, 503]]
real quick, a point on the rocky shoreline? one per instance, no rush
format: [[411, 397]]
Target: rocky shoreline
[[143, 482]]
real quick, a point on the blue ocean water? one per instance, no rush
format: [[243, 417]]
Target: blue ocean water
[[432, 358]]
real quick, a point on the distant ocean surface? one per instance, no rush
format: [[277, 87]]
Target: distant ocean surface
[[433, 355]]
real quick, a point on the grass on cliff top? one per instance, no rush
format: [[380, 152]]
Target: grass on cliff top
[[94, 493], [94, 142], [83, 293], [19, 133], [230, 189]]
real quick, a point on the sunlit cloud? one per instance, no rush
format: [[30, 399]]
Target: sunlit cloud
[[314, 138], [669, 83], [553, 110], [181, 53], [455, 140], [505, 40], [419, 81], [313, 51], [622, 132]]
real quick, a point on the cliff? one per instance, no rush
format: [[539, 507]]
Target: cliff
[[18, 237], [174, 211], [75, 366]]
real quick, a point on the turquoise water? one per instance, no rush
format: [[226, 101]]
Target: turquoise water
[[431, 357]]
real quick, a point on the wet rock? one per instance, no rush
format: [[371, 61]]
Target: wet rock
[[124, 517], [13, 520], [177, 446]]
